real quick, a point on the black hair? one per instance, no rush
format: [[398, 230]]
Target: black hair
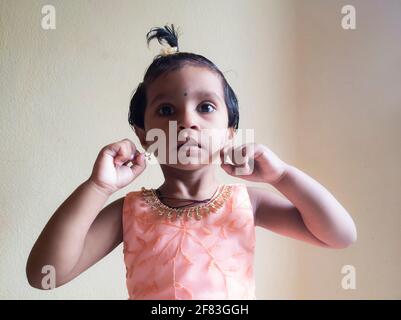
[[171, 62]]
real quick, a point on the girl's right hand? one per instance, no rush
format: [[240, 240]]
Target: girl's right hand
[[111, 171]]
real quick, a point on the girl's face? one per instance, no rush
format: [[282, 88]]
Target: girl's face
[[186, 106]]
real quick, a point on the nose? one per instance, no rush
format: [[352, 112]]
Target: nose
[[186, 120]]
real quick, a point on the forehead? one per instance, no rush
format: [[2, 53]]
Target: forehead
[[187, 79]]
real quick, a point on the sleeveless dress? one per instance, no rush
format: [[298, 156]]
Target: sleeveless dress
[[186, 257]]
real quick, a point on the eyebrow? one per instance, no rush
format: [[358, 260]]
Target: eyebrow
[[162, 96]]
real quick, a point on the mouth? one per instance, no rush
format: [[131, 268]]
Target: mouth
[[189, 145]]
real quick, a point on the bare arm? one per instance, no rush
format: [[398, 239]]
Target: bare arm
[[279, 215], [78, 235], [80, 232], [104, 235], [310, 213]]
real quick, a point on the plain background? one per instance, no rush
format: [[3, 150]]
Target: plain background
[[325, 99]]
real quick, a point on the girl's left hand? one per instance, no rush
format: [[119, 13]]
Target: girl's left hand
[[253, 162]]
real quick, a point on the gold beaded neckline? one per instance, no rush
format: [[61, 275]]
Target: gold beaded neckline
[[197, 211]]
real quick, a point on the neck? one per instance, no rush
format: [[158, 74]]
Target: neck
[[196, 184]]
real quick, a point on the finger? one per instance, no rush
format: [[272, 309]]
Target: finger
[[223, 152], [129, 149], [244, 169], [138, 163], [228, 168], [126, 151], [139, 159], [238, 156], [243, 155], [226, 155]]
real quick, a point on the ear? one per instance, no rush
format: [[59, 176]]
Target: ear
[[141, 136], [230, 133]]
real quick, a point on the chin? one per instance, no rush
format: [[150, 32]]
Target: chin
[[186, 167]]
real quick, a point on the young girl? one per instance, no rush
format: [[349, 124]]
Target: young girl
[[192, 237]]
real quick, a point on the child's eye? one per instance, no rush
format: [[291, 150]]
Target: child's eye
[[210, 108], [165, 110]]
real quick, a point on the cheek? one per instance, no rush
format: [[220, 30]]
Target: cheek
[[214, 139], [155, 131], [224, 120]]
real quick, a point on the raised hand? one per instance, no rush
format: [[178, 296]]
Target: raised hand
[[253, 162], [111, 170]]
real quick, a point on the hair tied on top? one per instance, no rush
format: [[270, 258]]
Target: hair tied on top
[[163, 64], [165, 35]]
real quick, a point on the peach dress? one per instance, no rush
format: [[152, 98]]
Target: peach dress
[[188, 258]]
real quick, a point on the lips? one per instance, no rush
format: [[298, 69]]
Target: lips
[[189, 143]]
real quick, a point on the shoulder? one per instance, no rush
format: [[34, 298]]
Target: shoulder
[[242, 190], [130, 202], [132, 194]]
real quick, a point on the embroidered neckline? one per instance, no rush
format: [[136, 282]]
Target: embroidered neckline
[[197, 211]]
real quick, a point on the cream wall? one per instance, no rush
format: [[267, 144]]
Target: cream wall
[[324, 99], [348, 125]]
